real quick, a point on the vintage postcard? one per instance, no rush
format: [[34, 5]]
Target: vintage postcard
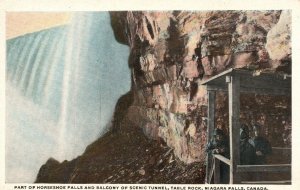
[[179, 98]]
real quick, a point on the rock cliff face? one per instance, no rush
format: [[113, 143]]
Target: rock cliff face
[[172, 52], [123, 155]]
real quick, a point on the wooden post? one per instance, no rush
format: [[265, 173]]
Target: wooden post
[[234, 125], [217, 178], [210, 128]]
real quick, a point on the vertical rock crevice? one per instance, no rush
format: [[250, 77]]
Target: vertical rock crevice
[[159, 127], [176, 50]]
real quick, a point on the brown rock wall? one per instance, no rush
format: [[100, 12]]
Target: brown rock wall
[[172, 52]]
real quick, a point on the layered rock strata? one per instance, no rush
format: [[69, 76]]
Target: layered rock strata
[[123, 155], [172, 52]]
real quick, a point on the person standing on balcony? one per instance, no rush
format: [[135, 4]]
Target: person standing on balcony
[[247, 150], [261, 145], [220, 145]]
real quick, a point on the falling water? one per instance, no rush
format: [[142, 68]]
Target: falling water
[[62, 86]]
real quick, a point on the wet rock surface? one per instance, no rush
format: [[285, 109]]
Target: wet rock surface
[[159, 128], [123, 157], [172, 52]]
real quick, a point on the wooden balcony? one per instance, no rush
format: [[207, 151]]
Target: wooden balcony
[[235, 81]]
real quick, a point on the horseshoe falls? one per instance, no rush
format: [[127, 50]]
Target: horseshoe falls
[[62, 85]]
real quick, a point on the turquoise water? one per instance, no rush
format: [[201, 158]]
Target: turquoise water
[[61, 89]]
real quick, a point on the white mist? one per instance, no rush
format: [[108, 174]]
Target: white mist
[[61, 90]]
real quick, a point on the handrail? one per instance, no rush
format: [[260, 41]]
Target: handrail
[[281, 182], [222, 158], [252, 168], [282, 148], [264, 168], [227, 161], [212, 169]]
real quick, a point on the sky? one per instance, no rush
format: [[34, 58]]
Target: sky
[[20, 23]]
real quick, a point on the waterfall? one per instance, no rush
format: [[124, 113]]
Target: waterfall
[[61, 89]]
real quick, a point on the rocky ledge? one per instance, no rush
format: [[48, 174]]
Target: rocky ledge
[[159, 128], [173, 52], [124, 155]]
